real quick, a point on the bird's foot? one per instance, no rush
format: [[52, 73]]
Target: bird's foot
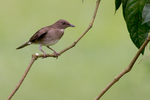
[[56, 54], [45, 55]]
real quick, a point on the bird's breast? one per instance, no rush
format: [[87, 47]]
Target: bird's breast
[[51, 37], [49, 43]]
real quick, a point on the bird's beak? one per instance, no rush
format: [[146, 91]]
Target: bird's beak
[[72, 25]]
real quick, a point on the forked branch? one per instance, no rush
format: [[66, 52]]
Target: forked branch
[[36, 56]]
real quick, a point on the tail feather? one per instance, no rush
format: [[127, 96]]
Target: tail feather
[[25, 44]]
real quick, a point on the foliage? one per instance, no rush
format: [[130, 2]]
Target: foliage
[[137, 17]]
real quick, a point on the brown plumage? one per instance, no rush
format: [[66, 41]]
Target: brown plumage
[[48, 35]]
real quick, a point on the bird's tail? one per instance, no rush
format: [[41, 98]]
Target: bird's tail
[[25, 44]]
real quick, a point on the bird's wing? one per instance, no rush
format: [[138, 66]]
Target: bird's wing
[[38, 34]]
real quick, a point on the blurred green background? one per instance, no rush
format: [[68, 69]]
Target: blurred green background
[[80, 73]]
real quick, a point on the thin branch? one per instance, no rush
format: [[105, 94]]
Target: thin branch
[[90, 26], [23, 77], [36, 56], [126, 70]]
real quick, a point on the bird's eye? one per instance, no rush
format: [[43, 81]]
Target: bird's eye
[[63, 23]]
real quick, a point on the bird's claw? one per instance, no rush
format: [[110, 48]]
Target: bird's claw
[[45, 55], [56, 54]]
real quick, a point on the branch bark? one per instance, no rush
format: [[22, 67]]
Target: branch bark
[[126, 70], [36, 56]]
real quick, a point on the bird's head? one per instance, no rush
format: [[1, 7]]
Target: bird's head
[[62, 24]]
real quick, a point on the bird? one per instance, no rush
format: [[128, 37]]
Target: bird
[[48, 36]]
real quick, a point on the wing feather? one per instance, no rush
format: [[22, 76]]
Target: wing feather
[[38, 34]]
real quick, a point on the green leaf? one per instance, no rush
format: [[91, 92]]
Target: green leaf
[[146, 14], [117, 4], [133, 17], [124, 4]]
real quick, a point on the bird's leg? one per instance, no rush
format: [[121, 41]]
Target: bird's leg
[[40, 47], [55, 53]]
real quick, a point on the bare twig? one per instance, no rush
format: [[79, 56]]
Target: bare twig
[[126, 70], [36, 56], [23, 77]]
